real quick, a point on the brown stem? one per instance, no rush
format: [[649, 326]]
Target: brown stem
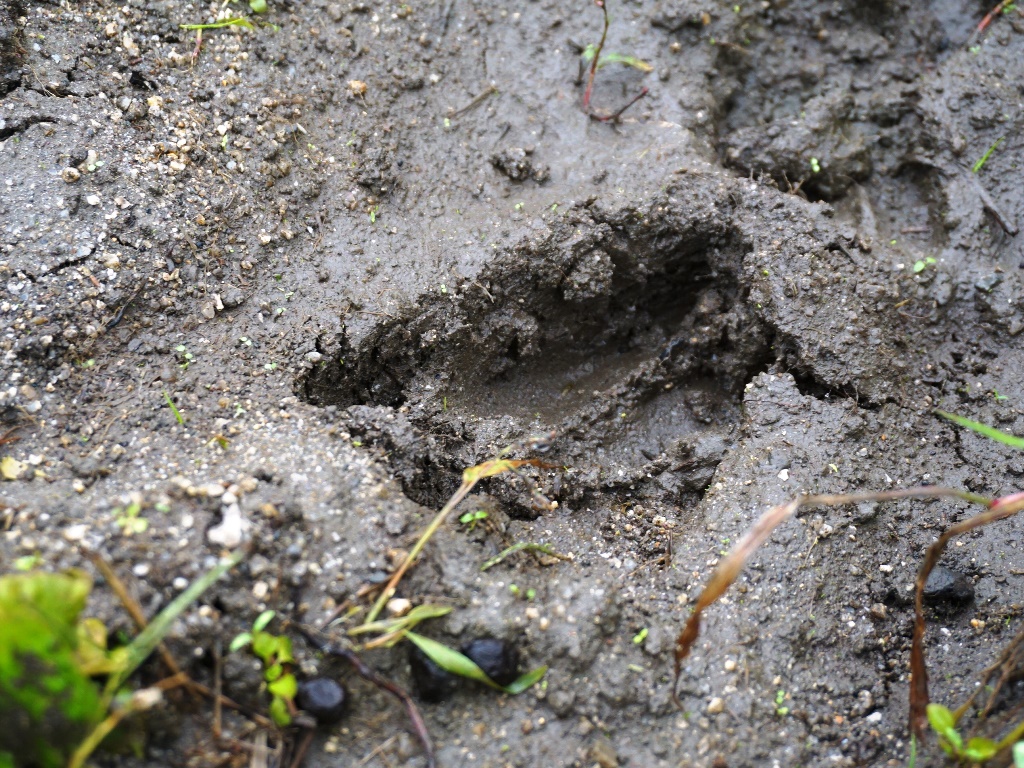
[[597, 56]]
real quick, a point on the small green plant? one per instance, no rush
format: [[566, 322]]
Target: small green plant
[[780, 708], [815, 165], [976, 750], [921, 264], [185, 357], [128, 519], [275, 651], [470, 519], [593, 54], [174, 409], [988, 153], [373, 214]]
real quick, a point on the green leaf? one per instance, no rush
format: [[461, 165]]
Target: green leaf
[[527, 681], [262, 620], [273, 672], [980, 749], [940, 718], [264, 645], [285, 686], [990, 432], [240, 641], [258, 6], [452, 661], [284, 650], [629, 61], [279, 712]]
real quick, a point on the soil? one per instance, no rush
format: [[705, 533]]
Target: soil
[[364, 246]]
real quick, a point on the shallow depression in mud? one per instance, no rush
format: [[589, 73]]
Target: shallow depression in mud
[[630, 348]]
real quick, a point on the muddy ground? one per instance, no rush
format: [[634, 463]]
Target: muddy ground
[[372, 244]]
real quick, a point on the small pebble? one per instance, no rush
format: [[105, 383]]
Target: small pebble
[[180, 583], [70, 175], [323, 698], [499, 660], [716, 705]]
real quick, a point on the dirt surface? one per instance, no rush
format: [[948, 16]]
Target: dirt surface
[[372, 244]]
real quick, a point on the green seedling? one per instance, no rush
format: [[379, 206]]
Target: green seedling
[[470, 519], [593, 55], [522, 546], [988, 153], [815, 165], [921, 264], [258, 6], [275, 651], [640, 636], [128, 519], [780, 709], [174, 409], [615, 58], [529, 594], [185, 357], [470, 477], [52, 662], [456, 663], [976, 750], [373, 214]]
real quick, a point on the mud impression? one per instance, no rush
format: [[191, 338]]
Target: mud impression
[[632, 342]]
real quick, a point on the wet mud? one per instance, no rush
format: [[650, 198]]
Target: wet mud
[[375, 244]]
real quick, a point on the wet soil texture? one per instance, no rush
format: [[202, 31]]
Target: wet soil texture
[[363, 246]]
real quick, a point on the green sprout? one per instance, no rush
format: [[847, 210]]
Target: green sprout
[[275, 651], [128, 520], [780, 709], [921, 264], [815, 165], [174, 408], [373, 214], [988, 153], [614, 58], [470, 519], [977, 749], [185, 356]]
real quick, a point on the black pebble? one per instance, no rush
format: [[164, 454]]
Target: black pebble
[[945, 585], [498, 659], [323, 698], [430, 682]]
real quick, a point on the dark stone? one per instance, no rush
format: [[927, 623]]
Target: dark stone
[[945, 585], [323, 698], [430, 682], [499, 660]]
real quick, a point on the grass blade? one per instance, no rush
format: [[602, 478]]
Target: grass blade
[[452, 661], [520, 546], [142, 646], [983, 429]]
